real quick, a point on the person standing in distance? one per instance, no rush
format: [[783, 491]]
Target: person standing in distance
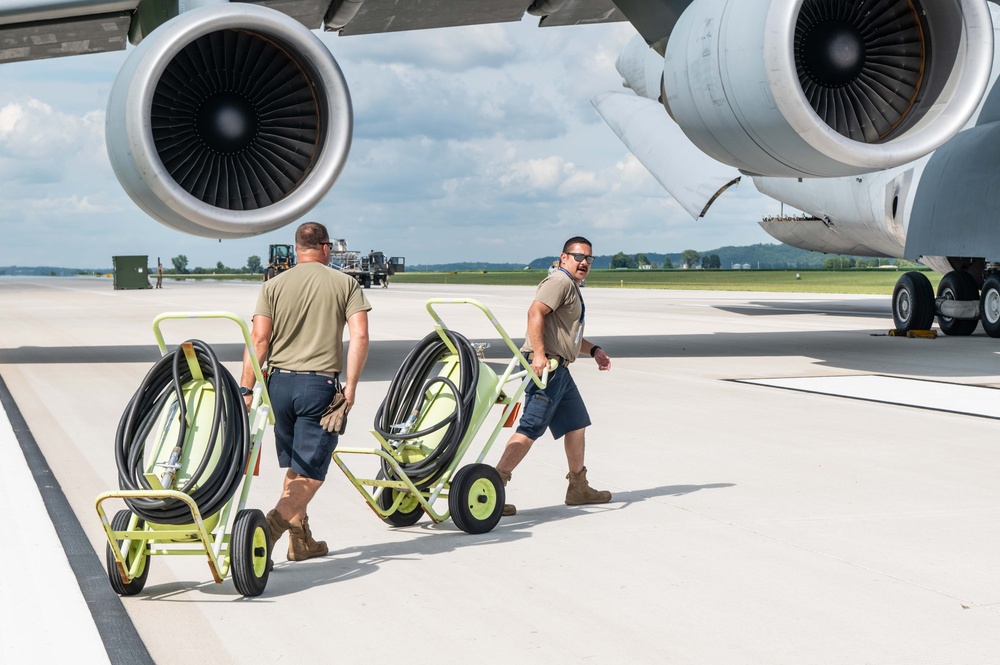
[[298, 328], [555, 330], [159, 275]]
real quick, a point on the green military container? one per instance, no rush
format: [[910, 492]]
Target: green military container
[[131, 272]]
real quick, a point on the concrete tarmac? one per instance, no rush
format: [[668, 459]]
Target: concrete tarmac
[[790, 486]]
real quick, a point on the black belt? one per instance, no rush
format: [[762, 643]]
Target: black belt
[[562, 361], [329, 375]]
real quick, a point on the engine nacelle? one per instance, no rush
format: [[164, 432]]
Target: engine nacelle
[[229, 121], [804, 88]]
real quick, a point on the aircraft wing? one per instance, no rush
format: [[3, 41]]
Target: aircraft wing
[[37, 29], [373, 16], [693, 178]]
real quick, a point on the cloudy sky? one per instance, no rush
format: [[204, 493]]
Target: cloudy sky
[[471, 144]]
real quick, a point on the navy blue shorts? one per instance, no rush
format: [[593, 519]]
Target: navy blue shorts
[[559, 407], [299, 401]]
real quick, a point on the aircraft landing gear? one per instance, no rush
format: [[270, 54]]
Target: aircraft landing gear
[[961, 286], [958, 305], [913, 302], [989, 306]]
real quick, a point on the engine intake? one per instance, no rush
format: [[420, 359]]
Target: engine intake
[[229, 121], [826, 87]]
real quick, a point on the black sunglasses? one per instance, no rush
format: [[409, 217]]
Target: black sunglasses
[[327, 244], [580, 258]]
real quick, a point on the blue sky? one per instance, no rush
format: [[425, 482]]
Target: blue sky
[[471, 144]]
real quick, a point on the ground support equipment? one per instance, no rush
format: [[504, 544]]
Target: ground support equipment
[[175, 438], [420, 463]]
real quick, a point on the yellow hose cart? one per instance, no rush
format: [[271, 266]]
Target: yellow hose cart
[[440, 398], [186, 451]]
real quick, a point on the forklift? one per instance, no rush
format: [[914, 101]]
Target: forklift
[[279, 259]]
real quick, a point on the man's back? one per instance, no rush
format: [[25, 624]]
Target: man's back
[[309, 306]]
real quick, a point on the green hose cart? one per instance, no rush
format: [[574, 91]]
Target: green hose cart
[[186, 452], [437, 403]]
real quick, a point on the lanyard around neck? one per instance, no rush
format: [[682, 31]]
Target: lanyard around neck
[[579, 294]]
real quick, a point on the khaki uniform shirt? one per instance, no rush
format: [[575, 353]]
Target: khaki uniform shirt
[[563, 327], [309, 306]]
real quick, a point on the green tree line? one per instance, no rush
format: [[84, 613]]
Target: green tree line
[[180, 267]]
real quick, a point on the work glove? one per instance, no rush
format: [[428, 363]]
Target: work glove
[[334, 419]]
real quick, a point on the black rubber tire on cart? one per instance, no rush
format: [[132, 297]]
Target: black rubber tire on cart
[[989, 306], [958, 285], [913, 302], [248, 547], [138, 549], [475, 498], [407, 513]]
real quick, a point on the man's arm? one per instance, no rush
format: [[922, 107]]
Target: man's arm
[[536, 334], [260, 338], [602, 358], [357, 354]]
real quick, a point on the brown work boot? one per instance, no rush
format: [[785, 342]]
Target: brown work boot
[[580, 492], [301, 545], [508, 509], [276, 525]]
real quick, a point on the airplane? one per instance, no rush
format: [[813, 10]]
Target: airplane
[[230, 120], [877, 118]]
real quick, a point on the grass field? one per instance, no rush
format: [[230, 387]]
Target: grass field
[[872, 281]]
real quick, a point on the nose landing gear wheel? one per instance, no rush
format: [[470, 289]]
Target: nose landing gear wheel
[[913, 302], [475, 498], [248, 549], [137, 550]]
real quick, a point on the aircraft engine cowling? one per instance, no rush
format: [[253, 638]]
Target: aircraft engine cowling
[[229, 121], [802, 88]]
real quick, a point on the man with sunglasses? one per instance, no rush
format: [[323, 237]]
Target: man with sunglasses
[[555, 331], [298, 328]]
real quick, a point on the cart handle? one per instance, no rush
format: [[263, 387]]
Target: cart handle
[[540, 382], [246, 341]]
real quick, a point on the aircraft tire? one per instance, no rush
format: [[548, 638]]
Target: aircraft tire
[[913, 302], [989, 306], [958, 285]]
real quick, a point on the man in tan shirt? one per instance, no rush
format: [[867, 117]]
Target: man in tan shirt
[[556, 320], [298, 327]]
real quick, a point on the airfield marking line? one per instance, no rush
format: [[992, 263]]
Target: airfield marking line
[[60, 551], [976, 401]]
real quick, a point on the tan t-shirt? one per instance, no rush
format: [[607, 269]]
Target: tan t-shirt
[[562, 329], [309, 306]]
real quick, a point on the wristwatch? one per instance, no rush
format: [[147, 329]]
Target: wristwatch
[[245, 391]]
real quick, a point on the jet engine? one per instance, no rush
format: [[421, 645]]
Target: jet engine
[[229, 121], [803, 88]]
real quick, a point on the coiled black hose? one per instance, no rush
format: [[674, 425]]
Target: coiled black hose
[[165, 380], [406, 397]]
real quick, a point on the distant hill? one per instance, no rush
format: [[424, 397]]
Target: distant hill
[[760, 256]]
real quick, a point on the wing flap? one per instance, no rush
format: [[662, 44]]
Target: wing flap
[[375, 16], [582, 12], [67, 36]]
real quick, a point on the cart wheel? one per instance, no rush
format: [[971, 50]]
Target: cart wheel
[[476, 498], [407, 513], [137, 550], [248, 552]]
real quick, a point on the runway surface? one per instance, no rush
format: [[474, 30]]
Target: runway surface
[[788, 488]]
